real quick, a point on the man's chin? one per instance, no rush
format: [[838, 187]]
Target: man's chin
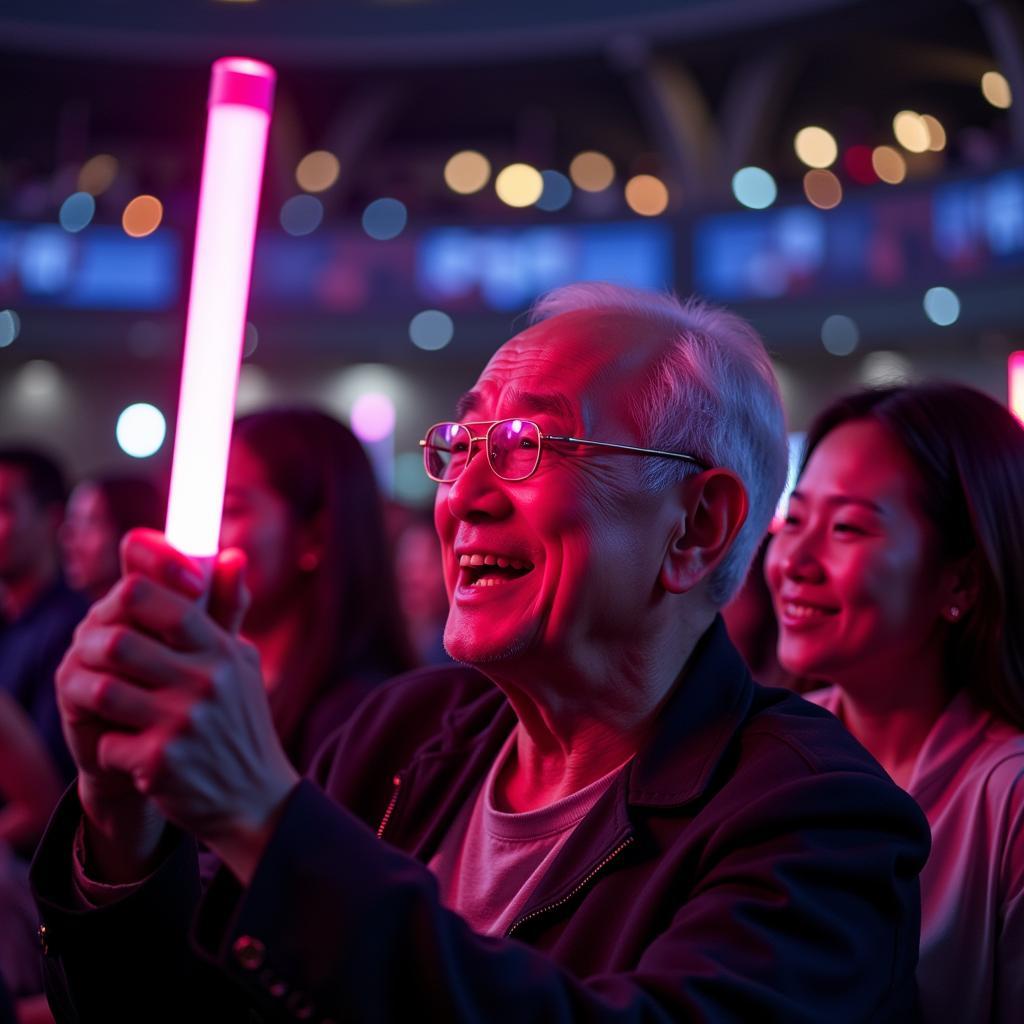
[[467, 647]]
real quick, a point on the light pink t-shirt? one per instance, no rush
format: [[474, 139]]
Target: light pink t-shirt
[[490, 861], [969, 781]]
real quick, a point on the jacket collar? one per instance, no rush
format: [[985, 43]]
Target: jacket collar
[[706, 707]]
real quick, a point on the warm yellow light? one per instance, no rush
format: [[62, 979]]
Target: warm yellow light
[[815, 147], [97, 174], [996, 89], [142, 216], [888, 164], [519, 185], [646, 195], [317, 171], [467, 172], [591, 171], [822, 189], [936, 133], [911, 131]]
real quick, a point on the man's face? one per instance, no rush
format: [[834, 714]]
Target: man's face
[[588, 542], [27, 530]]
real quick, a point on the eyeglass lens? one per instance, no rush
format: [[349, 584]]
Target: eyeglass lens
[[513, 449]]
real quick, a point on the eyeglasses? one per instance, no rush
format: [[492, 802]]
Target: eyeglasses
[[513, 448]]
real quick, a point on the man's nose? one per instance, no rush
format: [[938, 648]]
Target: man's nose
[[478, 493]]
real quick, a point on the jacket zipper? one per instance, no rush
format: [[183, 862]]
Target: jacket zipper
[[397, 783], [582, 884]]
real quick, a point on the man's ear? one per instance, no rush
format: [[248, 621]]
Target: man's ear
[[712, 508]]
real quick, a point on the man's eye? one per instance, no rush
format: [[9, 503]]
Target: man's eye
[[527, 442], [459, 446], [791, 520]]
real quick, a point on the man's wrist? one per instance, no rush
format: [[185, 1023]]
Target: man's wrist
[[122, 831], [241, 841]]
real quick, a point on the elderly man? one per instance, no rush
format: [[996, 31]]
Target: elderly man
[[599, 818]]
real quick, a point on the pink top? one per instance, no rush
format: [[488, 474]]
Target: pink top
[[969, 781], [490, 861]]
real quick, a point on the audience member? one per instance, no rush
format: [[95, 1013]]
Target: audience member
[[750, 619], [421, 587], [899, 578], [38, 610], [599, 816], [101, 510], [303, 504], [29, 790]]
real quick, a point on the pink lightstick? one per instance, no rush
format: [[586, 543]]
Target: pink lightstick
[[1015, 368], [241, 97]]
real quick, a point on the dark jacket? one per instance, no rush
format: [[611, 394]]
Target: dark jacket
[[751, 863]]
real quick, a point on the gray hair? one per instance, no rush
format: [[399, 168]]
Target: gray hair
[[713, 392]]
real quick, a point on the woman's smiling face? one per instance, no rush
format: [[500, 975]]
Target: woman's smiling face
[[855, 571]]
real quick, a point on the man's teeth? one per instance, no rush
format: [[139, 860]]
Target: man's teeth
[[501, 562]]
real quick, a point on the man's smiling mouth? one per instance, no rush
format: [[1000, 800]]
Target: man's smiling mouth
[[488, 569]]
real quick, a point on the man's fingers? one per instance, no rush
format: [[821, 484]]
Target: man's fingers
[[147, 552], [229, 597], [122, 651], [139, 601], [113, 700], [134, 754]]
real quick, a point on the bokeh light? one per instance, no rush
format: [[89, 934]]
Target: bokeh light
[[884, 367], [996, 89], [467, 172], [815, 147], [255, 390], [250, 339], [140, 431], [754, 188], [591, 171], [646, 195], [10, 327], [936, 133], [556, 193], [888, 164], [822, 189], [857, 164], [431, 329], [911, 131], [840, 334], [142, 216], [317, 171], [40, 382], [942, 306], [76, 212], [385, 219], [301, 215], [519, 185], [97, 174], [373, 416]]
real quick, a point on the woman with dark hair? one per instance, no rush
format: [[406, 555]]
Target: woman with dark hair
[[302, 503], [898, 577], [100, 511]]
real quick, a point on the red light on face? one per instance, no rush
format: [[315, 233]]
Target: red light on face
[[1015, 367], [857, 164]]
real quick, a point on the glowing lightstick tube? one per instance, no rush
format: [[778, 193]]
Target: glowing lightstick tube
[[241, 97], [1015, 368]]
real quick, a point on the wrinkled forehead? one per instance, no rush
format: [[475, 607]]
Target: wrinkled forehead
[[573, 364]]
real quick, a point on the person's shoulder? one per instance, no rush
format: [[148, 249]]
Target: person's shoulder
[[803, 731], [436, 704]]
